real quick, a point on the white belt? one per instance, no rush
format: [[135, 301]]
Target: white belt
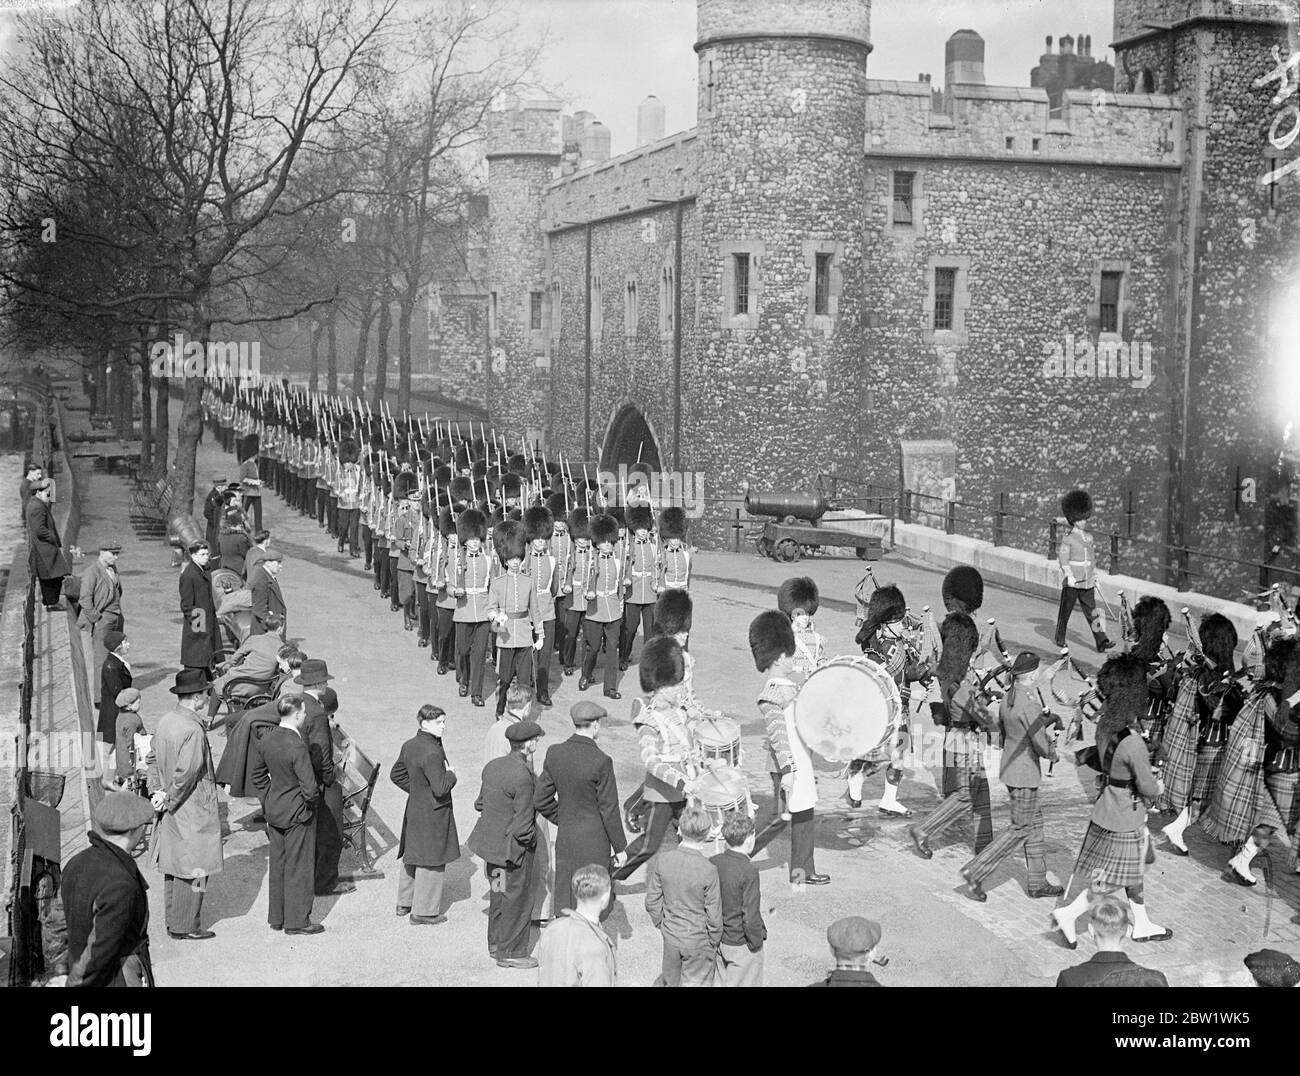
[[643, 575], [476, 590]]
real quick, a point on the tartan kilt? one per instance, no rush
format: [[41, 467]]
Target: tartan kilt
[[1180, 768], [1109, 858], [1239, 787], [963, 758], [1209, 762], [1282, 796]]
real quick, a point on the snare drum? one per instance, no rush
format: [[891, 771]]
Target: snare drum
[[721, 791], [719, 741], [848, 707]]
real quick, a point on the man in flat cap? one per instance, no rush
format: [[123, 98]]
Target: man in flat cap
[[44, 546], [853, 941], [100, 603], [105, 899], [114, 677], [1273, 968], [505, 838], [578, 793], [267, 598]]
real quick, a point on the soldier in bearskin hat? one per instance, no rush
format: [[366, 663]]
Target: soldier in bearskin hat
[[352, 491], [604, 614], [250, 479], [561, 551], [641, 580], [406, 525], [442, 587], [577, 572], [513, 611], [673, 614], [674, 557], [539, 529], [1078, 570], [963, 590], [798, 599], [473, 573]]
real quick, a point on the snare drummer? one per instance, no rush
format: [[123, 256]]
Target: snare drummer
[[667, 747]]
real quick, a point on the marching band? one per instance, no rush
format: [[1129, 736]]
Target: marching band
[[1203, 737]]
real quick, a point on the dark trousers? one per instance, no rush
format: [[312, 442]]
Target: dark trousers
[[291, 874], [1087, 600], [646, 845], [423, 608], [329, 837], [332, 514], [512, 661], [380, 556], [1027, 829], [572, 633], [965, 786], [803, 828], [543, 678], [634, 613], [510, 907], [322, 503], [598, 633], [367, 538], [346, 531], [309, 496], [394, 584], [52, 590], [443, 648], [254, 505], [562, 890], [562, 602], [471, 652]]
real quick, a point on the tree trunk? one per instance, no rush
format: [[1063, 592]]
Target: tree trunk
[[331, 354], [363, 342], [313, 377], [146, 402], [381, 353], [122, 398], [187, 436], [404, 315], [99, 398]]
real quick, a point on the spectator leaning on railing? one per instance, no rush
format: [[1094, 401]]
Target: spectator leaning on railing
[[45, 547]]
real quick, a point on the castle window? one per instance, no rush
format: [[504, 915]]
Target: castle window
[[904, 183], [1011, 144], [822, 285], [1109, 301], [945, 288], [1037, 144], [535, 310], [666, 298], [1146, 81], [631, 310], [742, 283]]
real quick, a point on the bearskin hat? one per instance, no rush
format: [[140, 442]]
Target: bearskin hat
[[580, 524], [471, 523], [404, 484], [1076, 505], [672, 524], [462, 458], [673, 612], [963, 589], [1122, 683], [511, 486], [960, 637], [617, 513], [444, 521], [508, 540], [443, 475], [516, 464], [461, 490], [798, 593], [640, 518], [885, 606], [538, 523], [249, 446], [558, 506], [1151, 620], [771, 636], [604, 528], [662, 664], [1218, 640], [349, 451], [478, 470]]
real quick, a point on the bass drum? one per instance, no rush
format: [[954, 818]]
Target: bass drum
[[847, 708]]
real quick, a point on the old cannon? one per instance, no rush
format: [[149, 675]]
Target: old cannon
[[797, 530]]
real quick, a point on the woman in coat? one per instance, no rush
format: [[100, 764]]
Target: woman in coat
[[233, 541], [200, 635], [45, 547], [429, 841]]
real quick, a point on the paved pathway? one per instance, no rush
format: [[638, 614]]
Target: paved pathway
[[933, 934]]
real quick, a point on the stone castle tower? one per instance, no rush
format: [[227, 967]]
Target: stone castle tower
[[1237, 237], [782, 108]]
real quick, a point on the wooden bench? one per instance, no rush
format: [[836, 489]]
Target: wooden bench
[[151, 502]]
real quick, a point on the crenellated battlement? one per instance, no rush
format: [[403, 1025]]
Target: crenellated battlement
[[645, 177], [1094, 127], [721, 20], [532, 128]]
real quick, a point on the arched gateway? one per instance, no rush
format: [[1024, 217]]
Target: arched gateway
[[628, 439]]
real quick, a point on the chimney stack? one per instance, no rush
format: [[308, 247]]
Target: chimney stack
[[649, 121], [964, 59]]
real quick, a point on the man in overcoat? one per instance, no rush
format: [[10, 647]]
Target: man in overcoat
[[187, 838], [577, 793], [267, 597], [429, 841], [100, 608], [45, 547], [106, 901], [505, 838], [200, 634]]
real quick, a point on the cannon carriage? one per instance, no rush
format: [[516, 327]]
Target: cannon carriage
[[796, 528]]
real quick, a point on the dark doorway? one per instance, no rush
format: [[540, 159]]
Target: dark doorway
[[629, 434]]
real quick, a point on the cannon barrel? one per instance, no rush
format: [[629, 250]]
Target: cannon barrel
[[183, 530], [806, 506]]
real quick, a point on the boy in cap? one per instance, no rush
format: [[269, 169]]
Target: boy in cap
[[798, 599], [640, 580], [126, 726], [512, 610], [1078, 570], [1026, 740], [105, 899], [853, 941]]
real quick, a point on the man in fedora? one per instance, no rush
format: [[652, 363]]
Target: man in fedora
[[313, 676], [267, 597], [101, 608], [188, 845], [105, 898], [505, 838]]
